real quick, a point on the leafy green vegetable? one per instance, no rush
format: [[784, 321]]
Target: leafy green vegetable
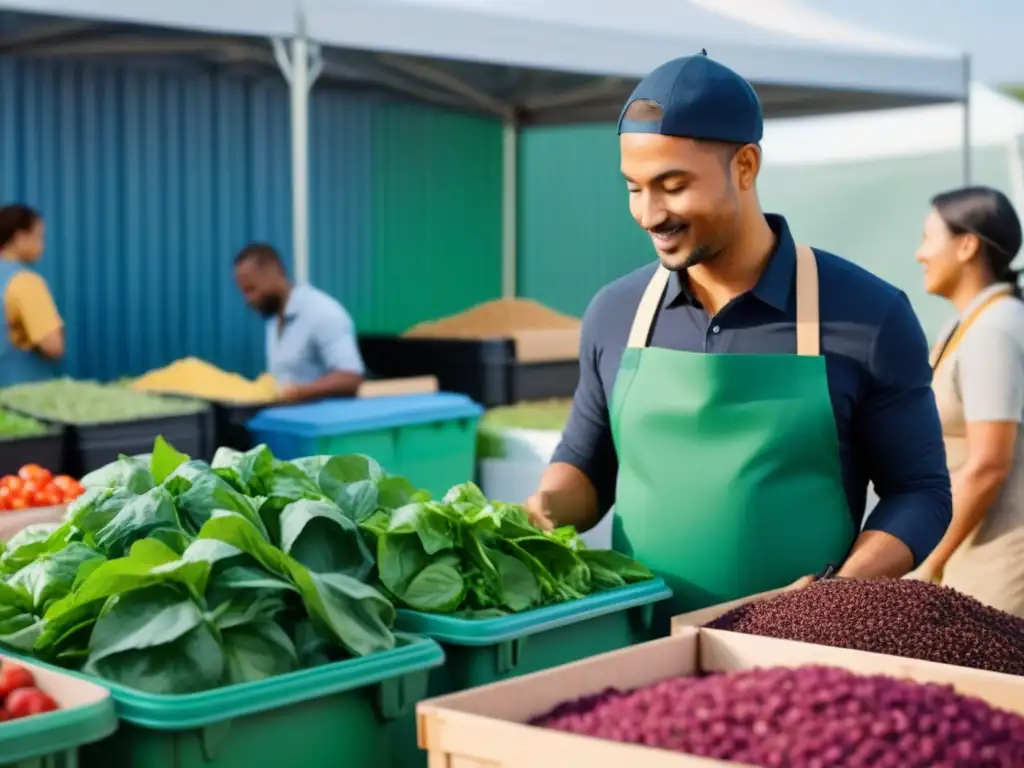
[[171, 575], [469, 555]]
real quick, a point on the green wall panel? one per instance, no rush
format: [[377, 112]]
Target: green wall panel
[[575, 232], [436, 187]]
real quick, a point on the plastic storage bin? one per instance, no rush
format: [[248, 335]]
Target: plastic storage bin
[[485, 370], [52, 740], [46, 450], [430, 439], [345, 713], [482, 651]]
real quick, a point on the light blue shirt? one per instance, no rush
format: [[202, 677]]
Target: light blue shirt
[[316, 338]]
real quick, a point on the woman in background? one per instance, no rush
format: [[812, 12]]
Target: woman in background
[[971, 237], [34, 338]]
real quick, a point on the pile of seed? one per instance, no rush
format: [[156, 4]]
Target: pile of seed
[[495, 319], [809, 717], [898, 617]]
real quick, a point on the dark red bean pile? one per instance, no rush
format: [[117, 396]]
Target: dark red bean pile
[[809, 717], [898, 617]]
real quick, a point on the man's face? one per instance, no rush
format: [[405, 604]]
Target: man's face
[[682, 192], [261, 286]]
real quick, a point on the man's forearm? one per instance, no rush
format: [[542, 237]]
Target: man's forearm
[[876, 554], [333, 384]]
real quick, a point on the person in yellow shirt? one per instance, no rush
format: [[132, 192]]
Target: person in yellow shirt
[[34, 342]]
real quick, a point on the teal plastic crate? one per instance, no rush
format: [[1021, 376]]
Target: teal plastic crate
[[482, 651], [52, 740], [344, 713], [430, 439]]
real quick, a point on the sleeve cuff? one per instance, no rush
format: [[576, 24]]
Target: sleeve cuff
[[918, 521]]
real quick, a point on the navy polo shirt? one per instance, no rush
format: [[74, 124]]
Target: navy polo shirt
[[879, 379]]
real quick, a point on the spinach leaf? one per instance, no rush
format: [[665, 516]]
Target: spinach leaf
[[157, 640], [354, 614], [130, 473], [199, 492], [26, 545], [164, 460], [258, 650], [245, 471], [151, 515], [317, 535], [51, 576]]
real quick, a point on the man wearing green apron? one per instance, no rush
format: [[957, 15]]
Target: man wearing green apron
[[736, 398]]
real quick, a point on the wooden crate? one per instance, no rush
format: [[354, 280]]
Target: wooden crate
[[706, 615], [485, 727]]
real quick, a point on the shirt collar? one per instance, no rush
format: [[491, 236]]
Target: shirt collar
[[291, 308], [776, 284], [984, 296]]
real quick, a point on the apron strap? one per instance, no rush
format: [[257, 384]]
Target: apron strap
[[808, 333], [808, 326], [945, 347]]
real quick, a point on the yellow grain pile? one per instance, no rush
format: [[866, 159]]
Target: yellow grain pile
[[495, 319], [195, 378]]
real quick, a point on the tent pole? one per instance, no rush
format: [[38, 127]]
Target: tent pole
[[300, 66], [509, 200], [967, 119]]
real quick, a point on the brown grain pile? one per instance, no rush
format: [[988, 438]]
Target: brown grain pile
[[898, 617], [495, 319]]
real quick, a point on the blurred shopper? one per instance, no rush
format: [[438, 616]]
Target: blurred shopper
[[735, 465], [971, 237], [311, 343], [34, 341]]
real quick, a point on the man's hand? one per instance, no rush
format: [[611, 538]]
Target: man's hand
[[289, 394], [800, 583], [539, 512]]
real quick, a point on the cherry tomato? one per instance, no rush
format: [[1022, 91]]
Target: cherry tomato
[[24, 702], [64, 481], [19, 502], [5, 503], [35, 473], [48, 498], [12, 483], [14, 676]]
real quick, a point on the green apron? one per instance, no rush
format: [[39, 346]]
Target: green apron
[[729, 475]]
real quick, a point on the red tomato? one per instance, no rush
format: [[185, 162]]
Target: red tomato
[[13, 483], [48, 497], [65, 481], [13, 676], [5, 503], [35, 473], [19, 502], [23, 702], [29, 488]]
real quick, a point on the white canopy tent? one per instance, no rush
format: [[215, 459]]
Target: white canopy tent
[[525, 61]]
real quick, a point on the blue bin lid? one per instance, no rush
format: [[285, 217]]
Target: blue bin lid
[[349, 416]]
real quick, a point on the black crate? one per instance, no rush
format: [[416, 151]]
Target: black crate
[[229, 430], [91, 446], [485, 370], [46, 450]]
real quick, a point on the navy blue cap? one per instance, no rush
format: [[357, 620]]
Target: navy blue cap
[[699, 99]]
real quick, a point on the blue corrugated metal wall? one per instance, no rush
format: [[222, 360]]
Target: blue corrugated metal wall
[[150, 181]]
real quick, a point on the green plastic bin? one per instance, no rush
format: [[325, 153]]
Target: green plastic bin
[[482, 651], [341, 714], [430, 439], [52, 740]]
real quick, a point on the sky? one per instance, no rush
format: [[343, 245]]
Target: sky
[[991, 31]]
